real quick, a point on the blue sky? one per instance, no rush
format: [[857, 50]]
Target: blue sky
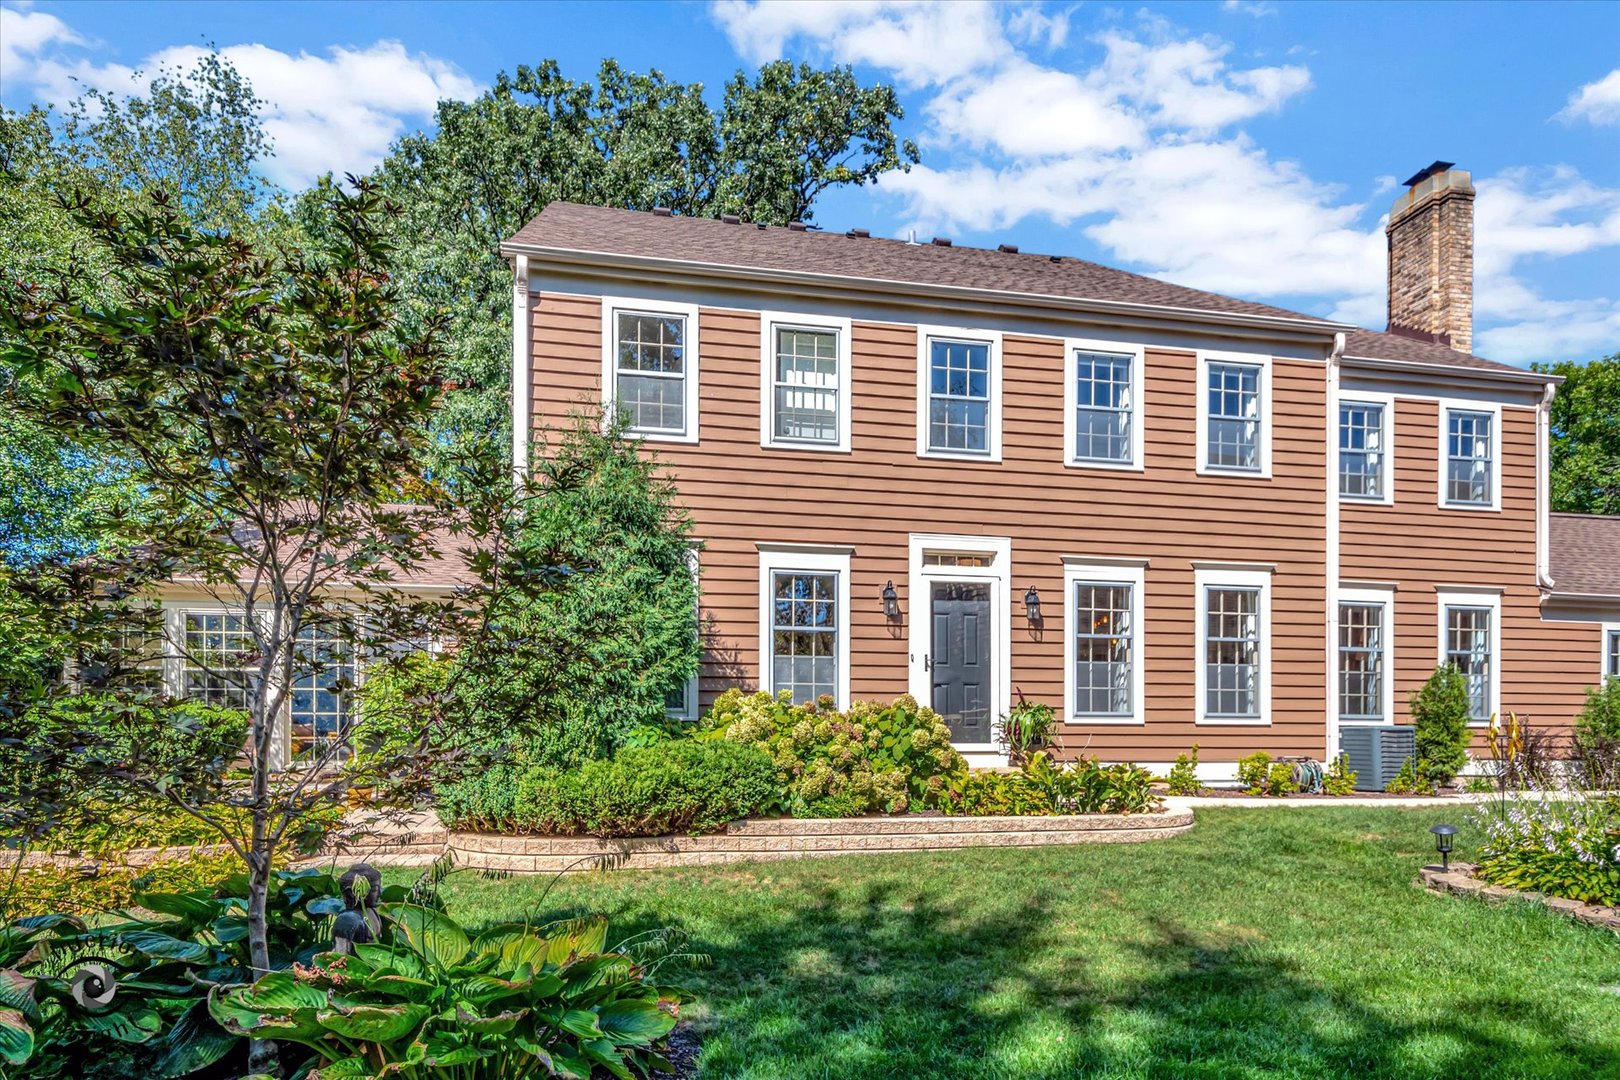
[[1251, 148]]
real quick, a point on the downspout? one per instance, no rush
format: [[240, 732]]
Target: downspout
[[1330, 670], [1544, 487], [522, 380]]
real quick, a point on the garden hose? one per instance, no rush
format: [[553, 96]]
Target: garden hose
[[1308, 776]]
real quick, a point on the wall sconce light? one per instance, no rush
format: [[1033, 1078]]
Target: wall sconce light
[[1032, 605], [1442, 843], [891, 601]]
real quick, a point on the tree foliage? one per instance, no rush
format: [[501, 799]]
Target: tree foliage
[[1585, 452], [777, 141], [1440, 715]]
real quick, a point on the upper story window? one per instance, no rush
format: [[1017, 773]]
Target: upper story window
[[1234, 415], [650, 367], [1468, 467], [805, 382], [1364, 460], [1101, 424], [959, 394]]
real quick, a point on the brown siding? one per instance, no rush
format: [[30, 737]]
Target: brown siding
[[876, 496], [1416, 545]]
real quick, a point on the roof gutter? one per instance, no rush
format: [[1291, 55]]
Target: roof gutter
[[886, 287]]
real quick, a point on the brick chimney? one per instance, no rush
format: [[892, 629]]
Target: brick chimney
[[1431, 258]]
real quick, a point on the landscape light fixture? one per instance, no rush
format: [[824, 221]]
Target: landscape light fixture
[[891, 601], [1442, 843]]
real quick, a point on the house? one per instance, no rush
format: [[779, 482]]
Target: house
[[984, 476]]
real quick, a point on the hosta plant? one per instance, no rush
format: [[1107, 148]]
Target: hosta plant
[[432, 1000]]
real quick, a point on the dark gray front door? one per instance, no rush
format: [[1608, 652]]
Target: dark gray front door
[[961, 659]]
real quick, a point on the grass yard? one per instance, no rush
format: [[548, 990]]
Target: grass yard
[[1264, 943]]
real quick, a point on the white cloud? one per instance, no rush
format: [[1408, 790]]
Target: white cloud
[[1596, 102], [336, 112], [1138, 148], [1247, 7], [24, 35]]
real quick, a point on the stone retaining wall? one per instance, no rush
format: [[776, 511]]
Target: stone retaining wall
[[1460, 880], [794, 838]]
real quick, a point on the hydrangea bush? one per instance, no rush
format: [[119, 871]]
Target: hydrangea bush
[[871, 759], [1561, 847]]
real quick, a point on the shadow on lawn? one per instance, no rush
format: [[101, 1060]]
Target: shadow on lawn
[[869, 978]]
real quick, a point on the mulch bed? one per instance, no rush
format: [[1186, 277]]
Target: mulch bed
[[684, 1045]]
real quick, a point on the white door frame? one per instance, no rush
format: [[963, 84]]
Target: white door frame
[[921, 623]]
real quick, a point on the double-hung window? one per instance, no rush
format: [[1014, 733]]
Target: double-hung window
[[1611, 652], [804, 641], [1364, 469], [1470, 641], [805, 379], [1234, 414], [959, 394], [1234, 645], [1365, 633], [215, 658], [650, 368], [320, 698], [1468, 464], [1103, 644], [1102, 405]]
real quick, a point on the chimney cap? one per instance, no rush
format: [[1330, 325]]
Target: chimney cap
[[942, 241], [859, 234], [1423, 174], [1007, 249]]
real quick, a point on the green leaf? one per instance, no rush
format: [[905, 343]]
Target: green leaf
[[195, 1042], [17, 992], [575, 937], [166, 947], [431, 933], [636, 1022], [16, 1037], [134, 1026], [325, 905], [183, 905], [372, 1023], [349, 1068]]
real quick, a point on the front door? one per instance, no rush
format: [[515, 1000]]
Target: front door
[[960, 663]]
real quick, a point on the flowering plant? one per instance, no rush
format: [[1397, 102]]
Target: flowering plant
[[1567, 847]]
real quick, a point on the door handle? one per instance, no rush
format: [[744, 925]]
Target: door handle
[[928, 662]]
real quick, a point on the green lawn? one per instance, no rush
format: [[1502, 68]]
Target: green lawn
[[1263, 943]]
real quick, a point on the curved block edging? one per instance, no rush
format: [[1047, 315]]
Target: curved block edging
[[798, 838], [1460, 880]]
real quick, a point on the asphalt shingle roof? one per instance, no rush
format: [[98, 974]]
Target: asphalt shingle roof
[[1585, 551]]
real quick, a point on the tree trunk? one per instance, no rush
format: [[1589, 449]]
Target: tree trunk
[[262, 1057]]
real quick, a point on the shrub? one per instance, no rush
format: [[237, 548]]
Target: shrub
[[1597, 737], [1254, 771], [1568, 848], [1183, 778], [1280, 779], [679, 786], [1027, 728], [397, 747], [871, 759], [1406, 782], [1043, 787], [1440, 714], [1340, 779]]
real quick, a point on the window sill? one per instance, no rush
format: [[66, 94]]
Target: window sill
[[1471, 508], [1109, 721], [1233, 474], [814, 448], [1233, 721], [947, 455], [1366, 500], [1107, 466], [661, 436]]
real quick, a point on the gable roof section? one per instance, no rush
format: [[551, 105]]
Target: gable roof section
[[593, 229], [1377, 345], [1585, 550]]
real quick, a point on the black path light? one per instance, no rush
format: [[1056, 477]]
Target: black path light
[[891, 601], [1442, 843], [1032, 605]]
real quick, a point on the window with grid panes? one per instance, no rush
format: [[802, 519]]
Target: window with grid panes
[[1361, 450], [650, 371], [1361, 662], [959, 396], [1103, 406], [804, 634], [1611, 654], [319, 700], [1234, 417], [214, 665], [1469, 457], [805, 384], [1232, 656], [1103, 652], [1468, 648]]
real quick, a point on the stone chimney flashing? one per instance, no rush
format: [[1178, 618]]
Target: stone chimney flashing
[[1452, 182]]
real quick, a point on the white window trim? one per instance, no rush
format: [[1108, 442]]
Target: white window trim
[[1368, 596], [1388, 402], [611, 306], [1446, 407], [1604, 673], [920, 621], [1445, 597], [1206, 577], [1263, 362], [769, 323], [804, 559], [992, 338], [1138, 355], [1133, 574], [691, 712]]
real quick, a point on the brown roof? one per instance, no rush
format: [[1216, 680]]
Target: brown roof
[[1585, 551], [1376, 345], [573, 227]]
